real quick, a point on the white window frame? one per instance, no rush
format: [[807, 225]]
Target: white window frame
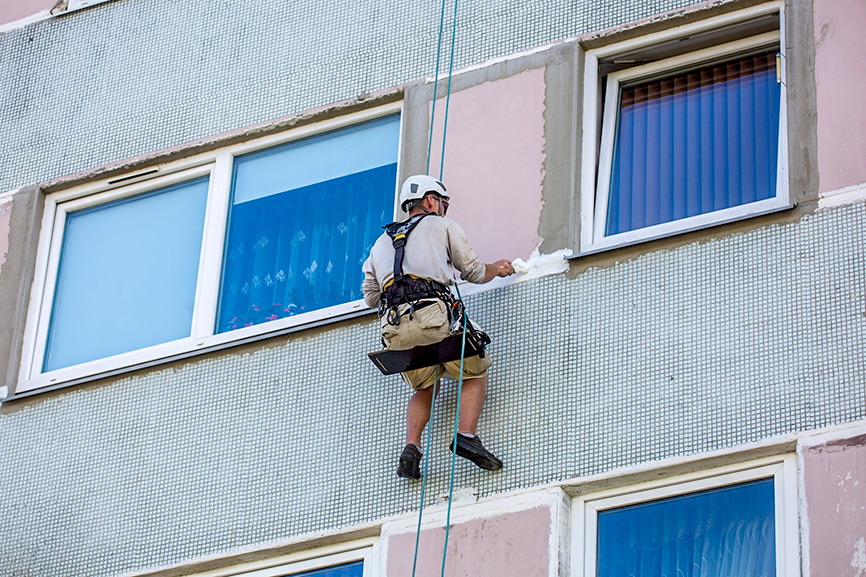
[[781, 469], [595, 187], [217, 166], [303, 561]]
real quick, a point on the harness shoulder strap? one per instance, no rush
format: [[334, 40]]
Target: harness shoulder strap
[[398, 231]]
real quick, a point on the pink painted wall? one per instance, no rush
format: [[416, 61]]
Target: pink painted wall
[[512, 544], [835, 487], [12, 10], [840, 76], [494, 161], [5, 214]]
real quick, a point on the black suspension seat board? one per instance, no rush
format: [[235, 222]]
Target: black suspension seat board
[[392, 362]]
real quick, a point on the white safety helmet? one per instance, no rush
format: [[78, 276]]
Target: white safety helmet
[[417, 186]]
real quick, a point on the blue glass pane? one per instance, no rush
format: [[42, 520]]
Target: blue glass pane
[[304, 217], [355, 569], [726, 532], [695, 142], [127, 277]]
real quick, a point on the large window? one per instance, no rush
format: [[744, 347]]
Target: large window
[[304, 216], [258, 237], [728, 524], [691, 132]]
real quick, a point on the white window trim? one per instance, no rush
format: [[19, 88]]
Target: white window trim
[[218, 166], [594, 195], [303, 561], [782, 470]]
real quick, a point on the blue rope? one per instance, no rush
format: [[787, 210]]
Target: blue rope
[[447, 92], [426, 463], [454, 438], [453, 452], [435, 85], [463, 342], [436, 88]]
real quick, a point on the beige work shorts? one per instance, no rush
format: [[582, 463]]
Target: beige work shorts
[[429, 325]]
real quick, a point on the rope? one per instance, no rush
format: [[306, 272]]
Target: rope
[[447, 93], [453, 452], [459, 297], [454, 438], [436, 87], [426, 463]]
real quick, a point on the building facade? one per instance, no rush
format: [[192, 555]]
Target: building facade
[[188, 190]]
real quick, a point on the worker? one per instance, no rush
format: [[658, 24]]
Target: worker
[[417, 311]]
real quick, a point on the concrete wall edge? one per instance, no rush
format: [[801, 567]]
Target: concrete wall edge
[[16, 280]]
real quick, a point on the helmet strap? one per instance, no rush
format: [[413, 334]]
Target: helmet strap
[[440, 210], [426, 210]]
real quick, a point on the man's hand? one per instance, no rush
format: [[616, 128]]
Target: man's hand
[[501, 268]]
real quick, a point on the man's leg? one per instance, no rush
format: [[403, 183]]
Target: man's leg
[[417, 416], [471, 402], [468, 445], [418, 413]]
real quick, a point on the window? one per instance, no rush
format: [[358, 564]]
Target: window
[[691, 132], [724, 531], [297, 238], [741, 522], [127, 275], [259, 237]]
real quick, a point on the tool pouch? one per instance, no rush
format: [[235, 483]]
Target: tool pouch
[[457, 312]]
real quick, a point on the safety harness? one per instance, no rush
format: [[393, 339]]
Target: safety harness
[[419, 292], [408, 289]]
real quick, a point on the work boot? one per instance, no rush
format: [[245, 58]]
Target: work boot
[[472, 449], [410, 463]]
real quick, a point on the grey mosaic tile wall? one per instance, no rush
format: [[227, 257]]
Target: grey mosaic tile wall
[[707, 346], [134, 76]]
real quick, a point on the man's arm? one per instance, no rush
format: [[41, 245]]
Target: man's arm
[[371, 290], [370, 285], [501, 268]]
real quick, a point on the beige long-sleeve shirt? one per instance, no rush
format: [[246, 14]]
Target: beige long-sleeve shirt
[[434, 248]]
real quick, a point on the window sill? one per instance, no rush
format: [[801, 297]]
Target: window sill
[[180, 350], [670, 229]]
